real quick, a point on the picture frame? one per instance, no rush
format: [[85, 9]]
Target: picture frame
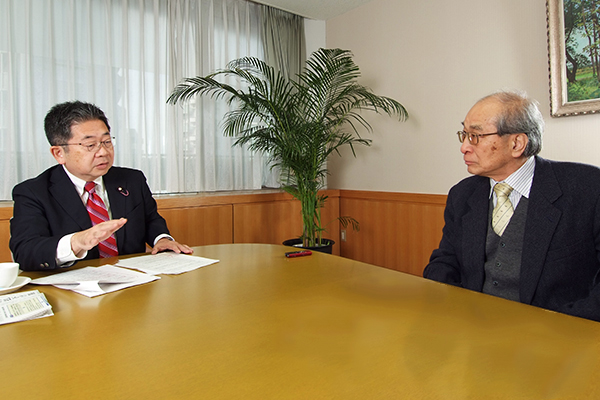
[[560, 83]]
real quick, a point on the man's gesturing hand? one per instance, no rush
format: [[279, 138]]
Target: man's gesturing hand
[[86, 240]]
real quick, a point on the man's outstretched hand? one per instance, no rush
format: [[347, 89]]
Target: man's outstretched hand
[[86, 240]]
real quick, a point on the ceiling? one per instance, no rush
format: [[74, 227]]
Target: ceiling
[[315, 9]]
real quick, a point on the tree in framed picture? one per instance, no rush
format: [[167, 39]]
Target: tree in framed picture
[[574, 56], [582, 39]]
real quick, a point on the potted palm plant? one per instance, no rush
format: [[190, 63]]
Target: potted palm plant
[[298, 122]]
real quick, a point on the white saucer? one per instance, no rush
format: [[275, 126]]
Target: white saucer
[[17, 284]]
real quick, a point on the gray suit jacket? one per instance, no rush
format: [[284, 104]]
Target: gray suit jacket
[[560, 262], [48, 207]]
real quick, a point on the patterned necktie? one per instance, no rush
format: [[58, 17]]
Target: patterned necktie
[[98, 213], [504, 208]]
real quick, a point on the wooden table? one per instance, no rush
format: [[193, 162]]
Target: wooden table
[[259, 326]]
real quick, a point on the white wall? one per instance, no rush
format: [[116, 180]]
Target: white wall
[[437, 58], [314, 31]]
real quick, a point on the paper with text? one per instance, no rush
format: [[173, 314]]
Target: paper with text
[[166, 263], [24, 306], [95, 281]]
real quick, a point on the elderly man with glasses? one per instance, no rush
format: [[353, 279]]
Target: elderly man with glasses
[[522, 228], [84, 207]]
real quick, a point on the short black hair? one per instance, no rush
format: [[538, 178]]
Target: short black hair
[[61, 117]]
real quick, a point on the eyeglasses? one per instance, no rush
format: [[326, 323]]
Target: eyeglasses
[[473, 137], [93, 147]]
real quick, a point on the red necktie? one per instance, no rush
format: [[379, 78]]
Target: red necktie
[[98, 213]]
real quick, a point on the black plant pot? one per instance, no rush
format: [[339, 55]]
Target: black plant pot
[[323, 249]]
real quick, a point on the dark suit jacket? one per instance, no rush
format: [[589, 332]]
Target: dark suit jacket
[[47, 207], [560, 260]]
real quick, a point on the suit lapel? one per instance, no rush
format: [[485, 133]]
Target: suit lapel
[[116, 190], [542, 220], [474, 233], [63, 191]]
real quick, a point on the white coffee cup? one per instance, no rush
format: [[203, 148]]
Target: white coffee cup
[[8, 274]]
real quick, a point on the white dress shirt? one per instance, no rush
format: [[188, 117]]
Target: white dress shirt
[[64, 253], [520, 181]]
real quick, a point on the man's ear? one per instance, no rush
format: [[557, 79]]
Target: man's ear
[[58, 152], [519, 143]]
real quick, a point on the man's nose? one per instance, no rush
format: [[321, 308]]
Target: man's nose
[[102, 151], [466, 146]]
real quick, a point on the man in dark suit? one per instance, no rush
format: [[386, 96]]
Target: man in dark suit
[[541, 244], [51, 227]]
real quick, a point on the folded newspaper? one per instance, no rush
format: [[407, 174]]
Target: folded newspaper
[[24, 306]]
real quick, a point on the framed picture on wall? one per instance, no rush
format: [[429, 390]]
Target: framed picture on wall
[[574, 56]]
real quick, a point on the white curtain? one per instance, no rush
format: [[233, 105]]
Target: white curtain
[[125, 56], [284, 49]]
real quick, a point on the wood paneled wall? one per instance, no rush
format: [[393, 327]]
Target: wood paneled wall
[[397, 230], [5, 215], [249, 217]]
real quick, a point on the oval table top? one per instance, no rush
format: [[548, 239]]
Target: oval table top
[[257, 325]]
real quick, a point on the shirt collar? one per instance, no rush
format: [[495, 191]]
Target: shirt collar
[[521, 179], [80, 184]]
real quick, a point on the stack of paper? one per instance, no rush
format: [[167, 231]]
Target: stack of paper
[[166, 263], [94, 281], [23, 306]]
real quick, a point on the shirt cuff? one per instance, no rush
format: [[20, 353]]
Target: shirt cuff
[[162, 235], [64, 253]]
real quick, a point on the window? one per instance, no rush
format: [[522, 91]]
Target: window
[[125, 56]]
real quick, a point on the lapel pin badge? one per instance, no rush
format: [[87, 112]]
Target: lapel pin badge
[[124, 192]]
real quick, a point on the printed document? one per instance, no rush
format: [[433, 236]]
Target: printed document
[[95, 281], [166, 263], [23, 306]]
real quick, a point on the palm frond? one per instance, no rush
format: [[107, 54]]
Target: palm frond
[[299, 123]]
